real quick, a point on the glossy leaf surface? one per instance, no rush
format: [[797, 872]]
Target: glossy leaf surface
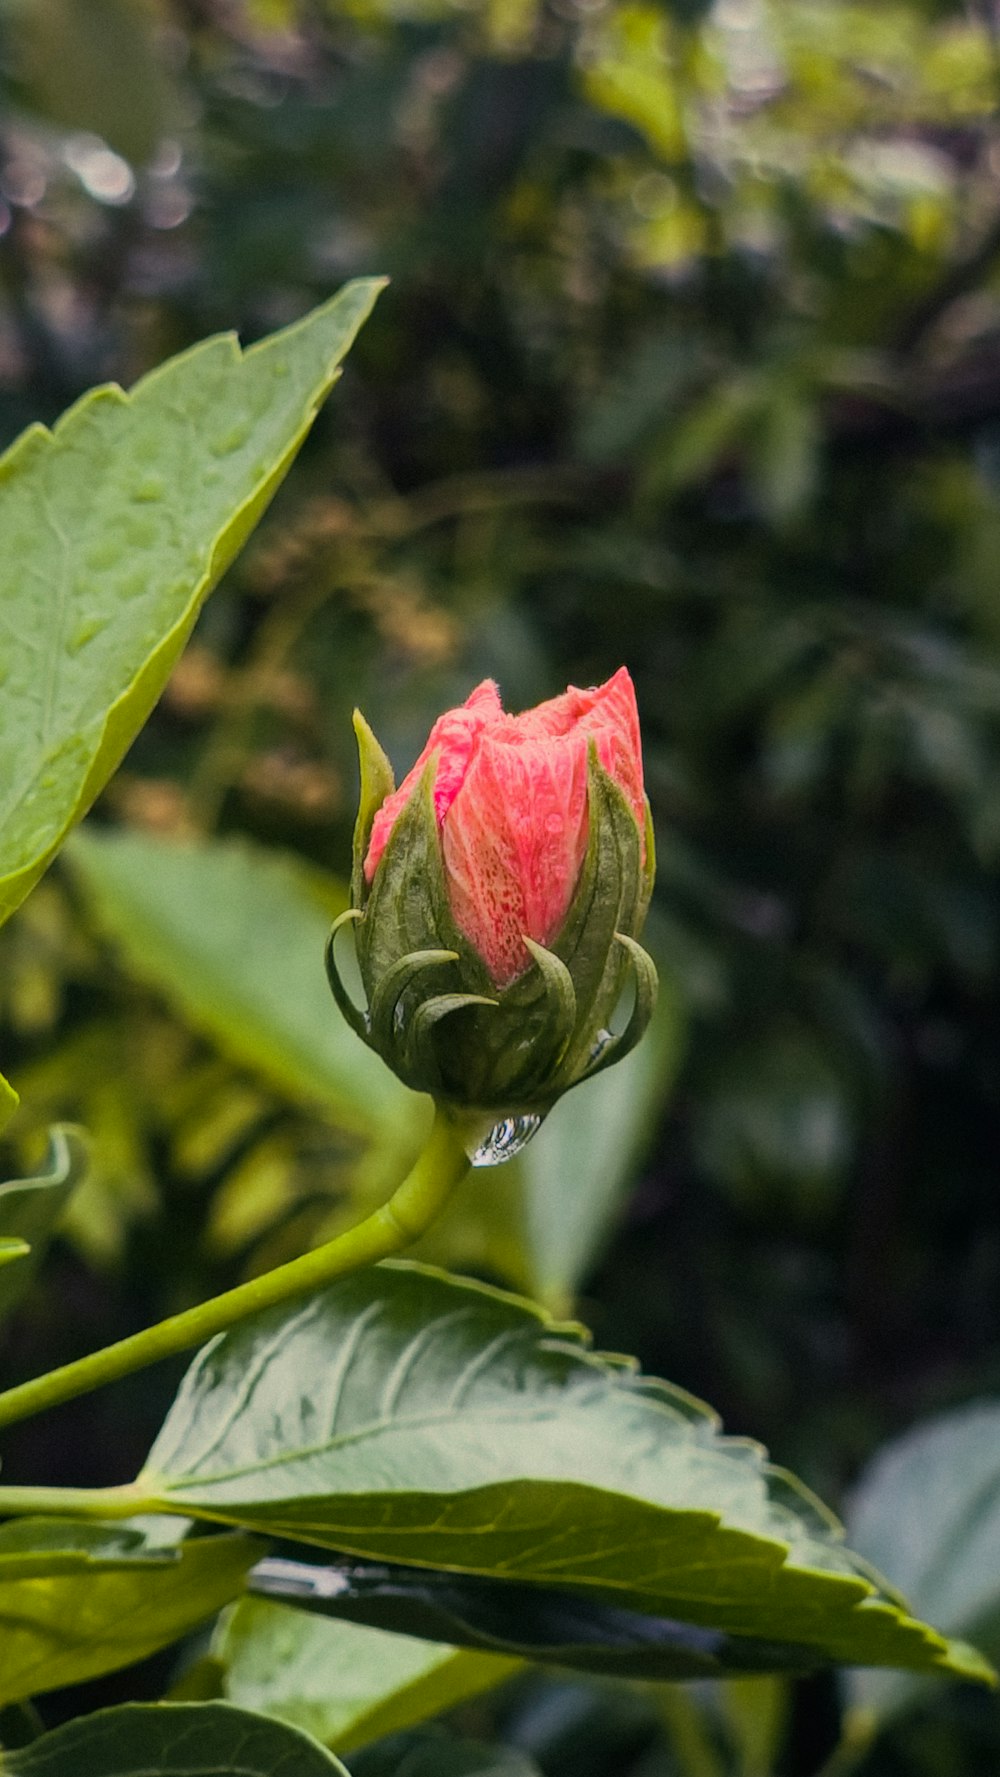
[[30, 1208], [173, 1740], [928, 1508], [432, 1755], [116, 525], [403, 1414], [345, 1684], [77, 1600]]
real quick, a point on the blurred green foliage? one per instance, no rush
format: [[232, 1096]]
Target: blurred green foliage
[[691, 359]]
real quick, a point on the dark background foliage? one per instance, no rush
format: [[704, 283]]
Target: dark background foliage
[[690, 359]]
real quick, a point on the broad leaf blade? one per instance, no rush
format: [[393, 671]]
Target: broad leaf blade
[[344, 1684], [77, 1600], [533, 1623], [234, 934], [30, 1208], [928, 1509], [433, 1755], [173, 1740], [404, 1415], [116, 525]]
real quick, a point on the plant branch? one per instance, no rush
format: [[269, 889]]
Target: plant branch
[[409, 1212]]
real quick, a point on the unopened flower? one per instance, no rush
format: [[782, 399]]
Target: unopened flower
[[498, 895]]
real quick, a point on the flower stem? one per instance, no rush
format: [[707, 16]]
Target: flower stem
[[411, 1209]]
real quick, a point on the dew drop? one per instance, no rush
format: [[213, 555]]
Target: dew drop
[[85, 632], [506, 1139], [230, 441], [600, 1043], [101, 556], [145, 492]]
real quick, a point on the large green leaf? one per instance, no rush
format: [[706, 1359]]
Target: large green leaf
[[173, 1740], [345, 1684], [534, 1623], [81, 1599], [404, 1415], [235, 934], [116, 525], [30, 1208], [928, 1509], [434, 1755]]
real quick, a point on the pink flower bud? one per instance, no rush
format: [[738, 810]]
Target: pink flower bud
[[510, 797]]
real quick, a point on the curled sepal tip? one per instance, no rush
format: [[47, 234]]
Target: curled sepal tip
[[356, 1018], [422, 1059], [558, 1021], [647, 985], [387, 1005]]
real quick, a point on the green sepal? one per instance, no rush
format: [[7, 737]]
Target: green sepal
[[393, 985], [610, 899], [560, 1010], [377, 782], [647, 987], [423, 1059], [648, 873], [407, 908], [357, 1019]]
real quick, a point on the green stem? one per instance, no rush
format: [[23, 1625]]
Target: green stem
[[410, 1210]]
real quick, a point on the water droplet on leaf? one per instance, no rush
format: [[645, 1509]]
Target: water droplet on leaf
[[506, 1139], [85, 632], [231, 441], [150, 489]]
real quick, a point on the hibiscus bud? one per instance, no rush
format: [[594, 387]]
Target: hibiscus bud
[[497, 898]]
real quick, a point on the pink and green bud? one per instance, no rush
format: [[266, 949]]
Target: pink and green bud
[[498, 895]]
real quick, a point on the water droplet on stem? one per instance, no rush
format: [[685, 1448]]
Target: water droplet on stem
[[506, 1139]]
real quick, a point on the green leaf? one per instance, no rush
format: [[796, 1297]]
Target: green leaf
[[77, 1600], [345, 1684], [433, 1755], [235, 935], [928, 1510], [116, 525], [524, 1622], [30, 1208], [402, 1414], [173, 1740]]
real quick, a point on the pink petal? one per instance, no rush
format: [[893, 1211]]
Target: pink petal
[[607, 713], [454, 736], [510, 794], [514, 841]]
